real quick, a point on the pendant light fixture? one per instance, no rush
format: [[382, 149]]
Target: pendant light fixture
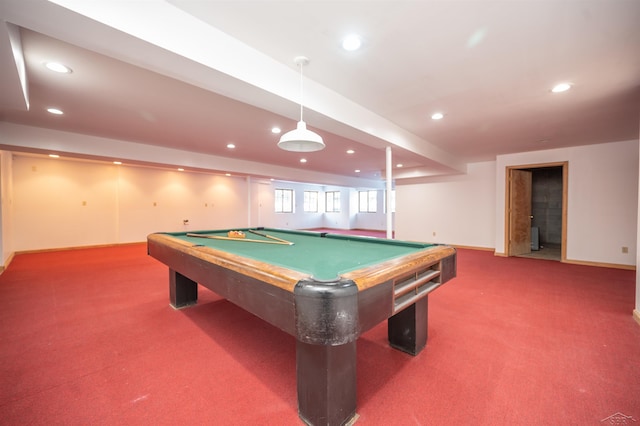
[[301, 139]]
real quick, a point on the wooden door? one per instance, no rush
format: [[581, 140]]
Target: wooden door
[[519, 212]]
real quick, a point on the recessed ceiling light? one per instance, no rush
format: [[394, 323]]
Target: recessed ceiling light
[[561, 87], [54, 156], [399, 165], [230, 146], [275, 130], [437, 116], [180, 169], [357, 170], [55, 111], [303, 160], [350, 151], [58, 67], [227, 174], [117, 163], [351, 42]]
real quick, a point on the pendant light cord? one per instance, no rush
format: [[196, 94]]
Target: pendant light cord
[[301, 92]]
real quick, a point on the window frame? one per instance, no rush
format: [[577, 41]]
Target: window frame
[[370, 205], [282, 200], [310, 203], [334, 205]]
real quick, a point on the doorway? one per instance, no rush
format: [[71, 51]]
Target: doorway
[[536, 211]]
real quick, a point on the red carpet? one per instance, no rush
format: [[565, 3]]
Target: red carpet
[[88, 337]]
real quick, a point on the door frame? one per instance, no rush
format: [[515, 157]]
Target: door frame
[[565, 183]]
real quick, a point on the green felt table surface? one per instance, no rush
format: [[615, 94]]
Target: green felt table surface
[[324, 258]]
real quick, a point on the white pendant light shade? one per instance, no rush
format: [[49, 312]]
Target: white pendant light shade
[[301, 140]]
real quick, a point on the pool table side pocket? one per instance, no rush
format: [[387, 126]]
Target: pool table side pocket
[[391, 269]]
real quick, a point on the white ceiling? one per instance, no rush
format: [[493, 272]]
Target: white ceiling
[[196, 75]]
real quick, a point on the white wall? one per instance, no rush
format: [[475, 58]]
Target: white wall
[[299, 219], [42, 203], [637, 309], [347, 218], [344, 219], [469, 209], [6, 203], [69, 203], [152, 200], [262, 202], [377, 220], [459, 209], [602, 199], [62, 203]]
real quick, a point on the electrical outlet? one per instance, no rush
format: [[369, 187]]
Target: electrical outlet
[[434, 233], [625, 249]]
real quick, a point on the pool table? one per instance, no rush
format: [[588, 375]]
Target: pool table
[[324, 289]]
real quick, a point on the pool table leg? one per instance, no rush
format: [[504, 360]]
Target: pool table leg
[[182, 290], [407, 330], [326, 383]]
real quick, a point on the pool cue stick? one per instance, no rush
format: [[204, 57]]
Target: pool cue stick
[[270, 237], [246, 240]]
